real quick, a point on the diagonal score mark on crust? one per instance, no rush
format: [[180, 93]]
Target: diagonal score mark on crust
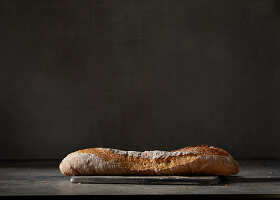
[[159, 160], [135, 160]]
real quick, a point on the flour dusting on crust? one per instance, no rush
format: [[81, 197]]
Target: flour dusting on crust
[[202, 160], [147, 154]]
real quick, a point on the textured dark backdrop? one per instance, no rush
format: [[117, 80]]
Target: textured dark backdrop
[[139, 75]]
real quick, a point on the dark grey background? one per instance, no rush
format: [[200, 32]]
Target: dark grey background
[[139, 75]]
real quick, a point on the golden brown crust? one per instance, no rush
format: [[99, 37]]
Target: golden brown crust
[[199, 160], [205, 149]]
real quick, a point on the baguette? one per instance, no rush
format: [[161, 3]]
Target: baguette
[[192, 160]]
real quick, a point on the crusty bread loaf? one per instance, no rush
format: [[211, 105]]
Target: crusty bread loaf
[[193, 160]]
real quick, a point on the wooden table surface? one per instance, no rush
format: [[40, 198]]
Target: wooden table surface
[[17, 178]]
